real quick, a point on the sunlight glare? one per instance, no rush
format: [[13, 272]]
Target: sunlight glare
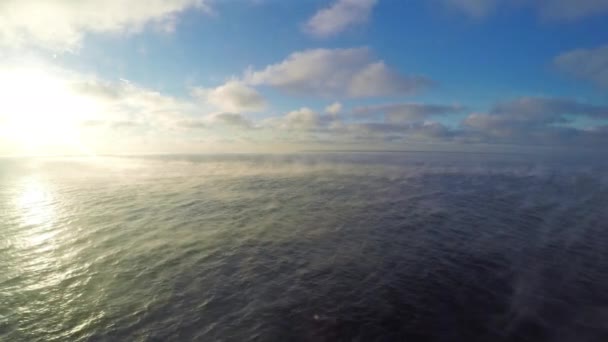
[[35, 203], [41, 111]]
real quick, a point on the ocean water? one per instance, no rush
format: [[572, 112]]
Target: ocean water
[[308, 247]]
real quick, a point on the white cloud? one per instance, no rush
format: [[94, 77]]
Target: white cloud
[[47, 110], [192, 124], [107, 116], [62, 24], [527, 115], [44, 93], [405, 112], [548, 109], [303, 119], [535, 120], [340, 16], [230, 119], [336, 72], [588, 64], [334, 108], [376, 79], [122, 102], [306, 122], [233, 96]]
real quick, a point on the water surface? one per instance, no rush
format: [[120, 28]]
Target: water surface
[[310, 247]]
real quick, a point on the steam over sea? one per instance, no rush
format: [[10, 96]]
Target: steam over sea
[[308, 247]]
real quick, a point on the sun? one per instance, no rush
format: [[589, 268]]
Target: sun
[[41, 112]]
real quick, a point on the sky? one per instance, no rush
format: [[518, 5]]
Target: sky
[[204, 76]]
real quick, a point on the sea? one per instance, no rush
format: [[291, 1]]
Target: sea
[[310, 246]]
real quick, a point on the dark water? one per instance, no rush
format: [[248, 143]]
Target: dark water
[[381, 247]]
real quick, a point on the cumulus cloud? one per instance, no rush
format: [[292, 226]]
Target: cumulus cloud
[[62, 24], [122, 112], [72, 112], [332, 128], [533, 120], [336, 72], [102, 104], [46, 93], [340, 16], [429, 129], [522, 121], [529, 113], [587, 64], [303, 119], [230, 119], [125, 104], [405, 112], [233, 96], [192, 124], [334, 108], [547, 109], [548, 9]]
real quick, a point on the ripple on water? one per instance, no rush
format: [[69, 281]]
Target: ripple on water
[[298, 248]]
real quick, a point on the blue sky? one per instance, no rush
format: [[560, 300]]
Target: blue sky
[[255, 75]]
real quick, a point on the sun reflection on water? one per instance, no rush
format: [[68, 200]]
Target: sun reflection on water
[[35, 203], [36, 208]]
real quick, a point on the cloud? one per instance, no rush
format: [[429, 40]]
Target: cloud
[[125, 124], [429, 129], [334, 108], [568, 10], [124, 104], [71, 112], [62, 24], [108, 124], [97, 88], [113, 114], [483, 128], [547, 109], [132, 99], [75, 97], [336, 72], [586, 64], [340, 16], [303, 119], [332, 128], [215, 120], [230, 119], [405, 112], [522, 121], [233, 96], [192, 124], [533, 120], [528, 114]]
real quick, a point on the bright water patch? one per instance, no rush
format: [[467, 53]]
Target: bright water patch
[[337, 247]]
